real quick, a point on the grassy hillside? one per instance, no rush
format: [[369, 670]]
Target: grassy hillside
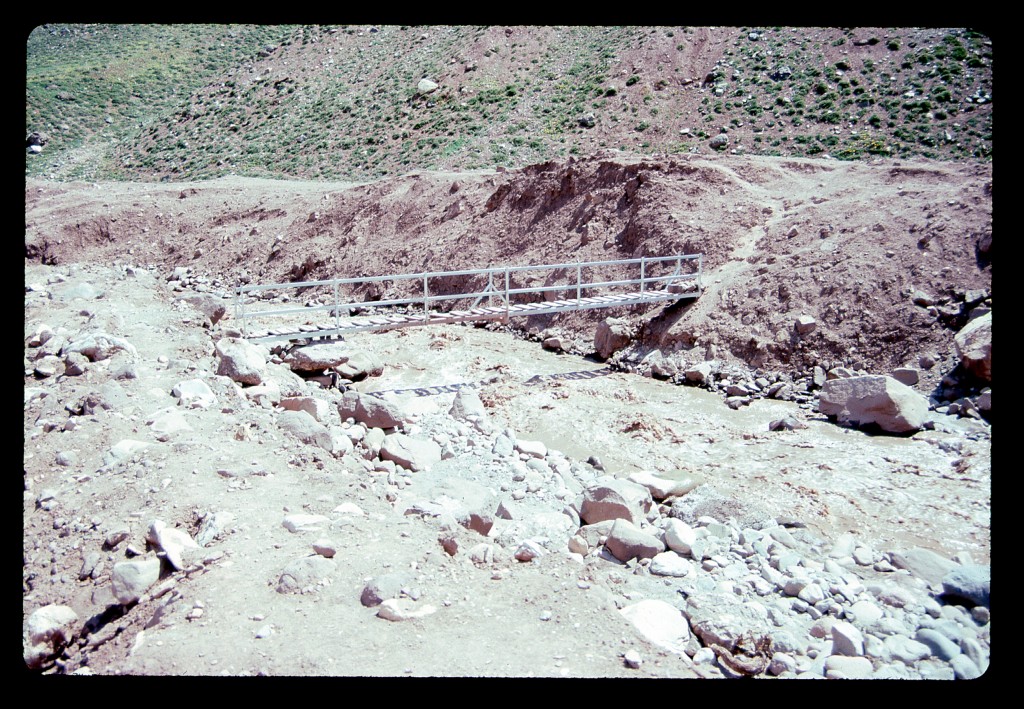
[[148, 102]]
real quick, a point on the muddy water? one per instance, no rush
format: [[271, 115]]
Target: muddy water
[[891, 492]]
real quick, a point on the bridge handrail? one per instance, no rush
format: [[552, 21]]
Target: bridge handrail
[[493, 290]]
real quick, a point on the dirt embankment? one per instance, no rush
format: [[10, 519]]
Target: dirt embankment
[[846, 243]]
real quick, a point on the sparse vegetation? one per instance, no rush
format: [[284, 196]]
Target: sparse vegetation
[[197, 101]]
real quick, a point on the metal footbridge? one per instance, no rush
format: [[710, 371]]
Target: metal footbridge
[[332, 308]]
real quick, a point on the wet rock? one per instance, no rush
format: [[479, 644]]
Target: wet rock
[[662, 367], [699, 373], [359, 366], [874, 399], [786, 423]]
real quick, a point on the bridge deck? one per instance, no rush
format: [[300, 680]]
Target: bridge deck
[[328, 330]]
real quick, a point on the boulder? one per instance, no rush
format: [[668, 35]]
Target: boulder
[[167, 422], [213, 308], [805, 324], [171, 541], [467, 403], [973, 345], [319, 409], [411, 453], [359, 366], [664, 368], [661, 623], [972, 582], [723, 619], [47, 632], [369, 410], [317, 358], [670, 563], [679, 536], [306, 428], [699, 372], [667, 484], [611, 336], [923, 563], [305, 574], [130, 579], [626, 541], [241, 361], [874, 399], [98, 346], [383, 587], [906, 375], [194, 394], [616, 499]]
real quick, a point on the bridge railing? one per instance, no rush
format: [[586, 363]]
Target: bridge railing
[[575, 280]]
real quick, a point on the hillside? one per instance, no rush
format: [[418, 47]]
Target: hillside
[[345, 102]]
